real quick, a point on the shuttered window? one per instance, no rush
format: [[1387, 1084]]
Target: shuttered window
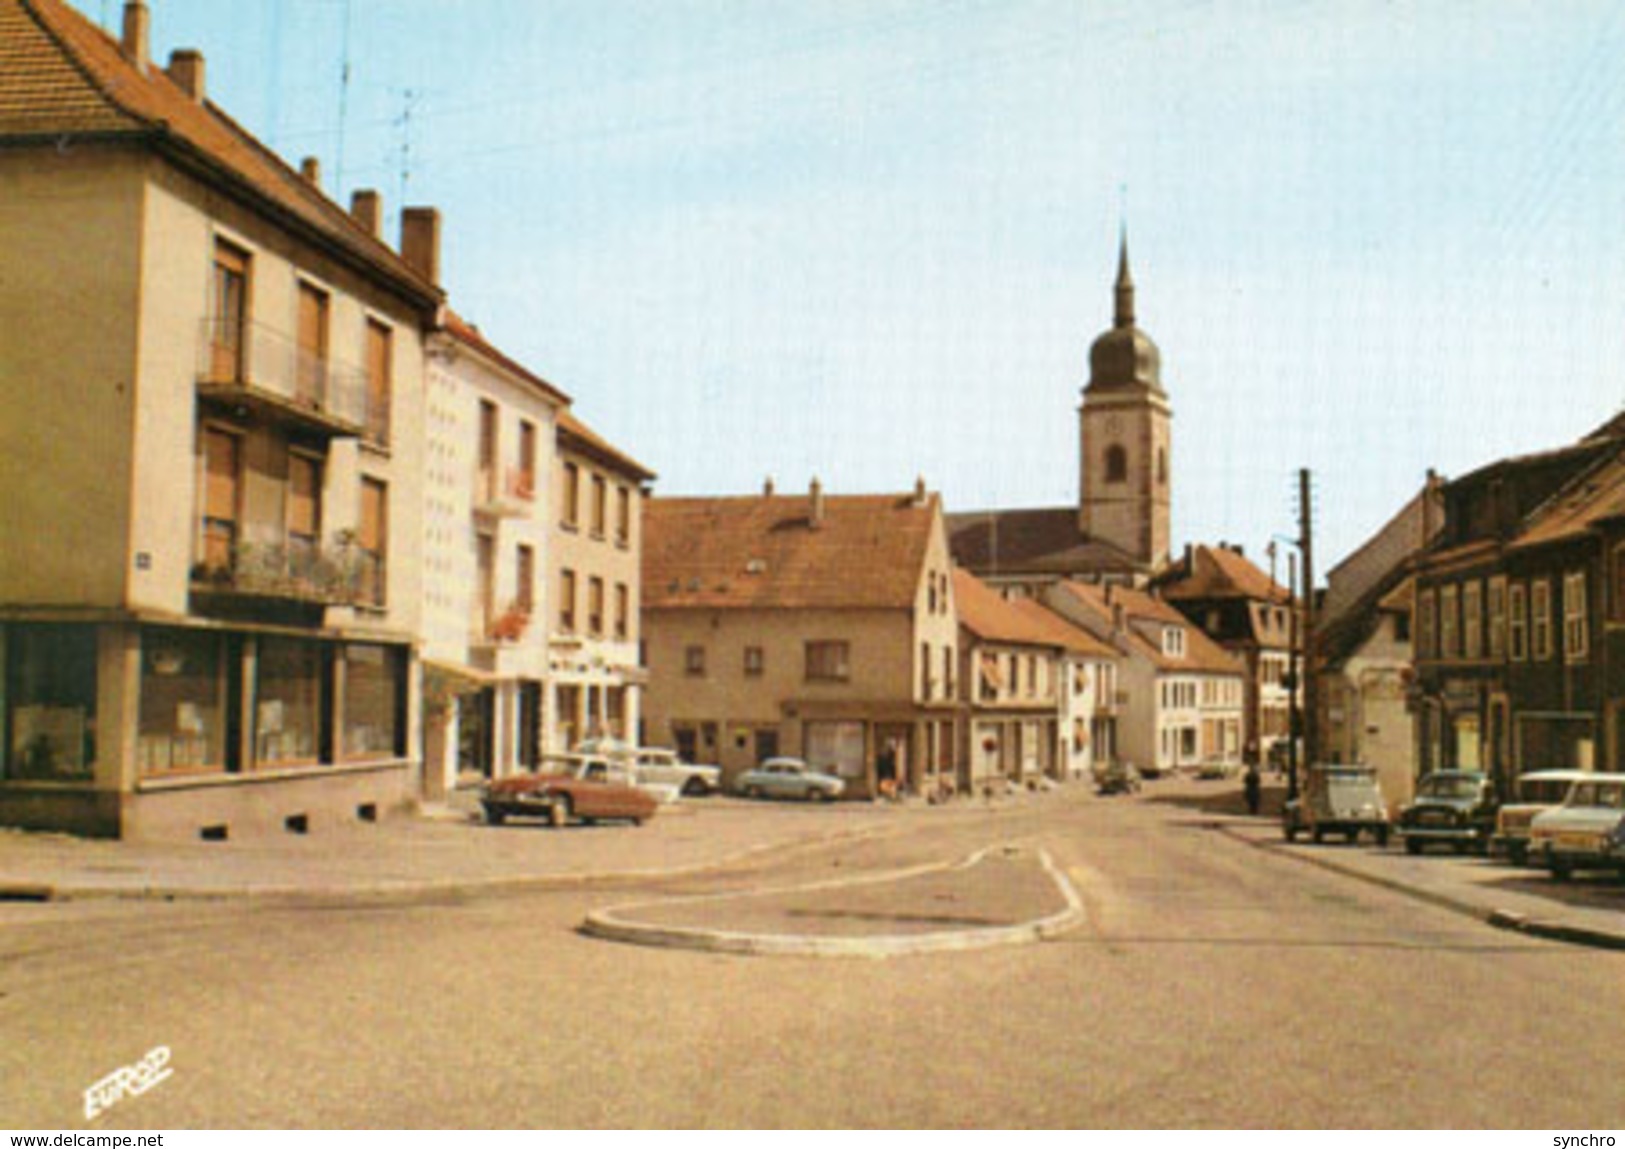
[[373, 539], [380, 371], [312, 374], [222, 460], [229, 312]]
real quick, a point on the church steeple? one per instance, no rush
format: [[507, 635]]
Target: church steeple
[[1124, 316]]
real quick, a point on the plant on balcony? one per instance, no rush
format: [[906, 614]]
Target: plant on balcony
[[509, 626], [522, 484]]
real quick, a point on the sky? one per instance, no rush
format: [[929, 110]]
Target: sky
[[869, 240]]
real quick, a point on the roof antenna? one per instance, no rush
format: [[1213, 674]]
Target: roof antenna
[[344, 97]]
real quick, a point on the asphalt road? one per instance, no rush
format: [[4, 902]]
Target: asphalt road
[[1214, 985]]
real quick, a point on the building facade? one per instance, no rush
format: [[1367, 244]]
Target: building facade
[[209, 591], [816, 626]]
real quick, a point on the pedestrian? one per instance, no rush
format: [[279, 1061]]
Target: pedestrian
[[1251, 786]]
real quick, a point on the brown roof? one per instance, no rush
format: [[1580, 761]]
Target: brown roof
[[1599, 494], [761, 551], [575, 434], [64, 79], [1219, 572], [989, 615], [1042, 540], [1144, 613], [466, 333]]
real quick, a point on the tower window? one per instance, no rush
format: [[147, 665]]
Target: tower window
[[1116, 464], [1162, 466]]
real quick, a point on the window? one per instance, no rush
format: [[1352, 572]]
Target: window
[[524, 596], [372, 539], [182, 714], [380, 380], [304, 513], [485, 483], [1449, 617], [1116, 464], [524, 485], [48, 702], [1472, 619], [1173, 641], [222, 478], [595, 605], [623, 515], [374, 702], [600, 506], [567, 601], [623, 611], [1426, 625], [311, 374], [485, 585], [753, 662], [228, 320], [694, 661], [1517, 622], [1497, 617], [926, 682], [570, 495], [1540, 619], [1575, 636], [828, 661], [948, 672], [1162, 466], [1619, 598], [288, 702]]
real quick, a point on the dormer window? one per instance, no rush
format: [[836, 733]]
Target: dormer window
[[1173, 641]]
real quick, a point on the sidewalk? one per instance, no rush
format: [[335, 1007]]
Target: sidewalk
[[1590, 910], [445, 849]]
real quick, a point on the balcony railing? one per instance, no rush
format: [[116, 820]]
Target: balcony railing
[[259, 367], [299, 570], [513, 497]]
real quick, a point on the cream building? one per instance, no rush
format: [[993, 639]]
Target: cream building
[[490, 462], [209, 588], [809, 625], [594, 558]]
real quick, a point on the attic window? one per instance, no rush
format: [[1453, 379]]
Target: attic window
[[756, 567], [1173, 641]]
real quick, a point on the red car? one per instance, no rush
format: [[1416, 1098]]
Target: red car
[[571, 786]]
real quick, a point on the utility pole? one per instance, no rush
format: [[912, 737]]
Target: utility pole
[[1294, 725], [1311, 690]]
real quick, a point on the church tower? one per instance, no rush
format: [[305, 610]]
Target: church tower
[[1125, 418]]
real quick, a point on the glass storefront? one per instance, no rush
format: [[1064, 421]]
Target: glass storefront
[[48, 702], [288, 702], [181, 724], [374, 702]]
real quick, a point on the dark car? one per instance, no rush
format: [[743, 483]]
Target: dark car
[[1452, 807], [571, 786]]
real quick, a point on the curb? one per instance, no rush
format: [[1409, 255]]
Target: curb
[[608, 924], [408, 890], [1499, 919]]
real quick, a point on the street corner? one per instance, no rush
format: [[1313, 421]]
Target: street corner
[[1004, 894]]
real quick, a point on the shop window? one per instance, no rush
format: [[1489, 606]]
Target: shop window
[[374, 700], [1540, 619], [181, 726], [288, 702], [48, 701], [1576, 637]]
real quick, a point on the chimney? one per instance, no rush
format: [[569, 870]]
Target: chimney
[[186, 70], [311, 169], [767, 487], [815, 507], [367, 207], [919, 491], [420, 241], [137, 32]]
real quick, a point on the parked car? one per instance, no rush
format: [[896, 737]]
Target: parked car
[[788, 778], [1117, 777], [1537, 792], [1456, 807], [1213, 771], [1587, 832], [1337, 799], [663, 786], [584, 786], [654, 764]]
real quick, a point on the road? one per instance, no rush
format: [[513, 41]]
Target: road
[[1215, 984]]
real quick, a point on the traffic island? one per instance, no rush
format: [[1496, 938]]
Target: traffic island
[[1000, 895]]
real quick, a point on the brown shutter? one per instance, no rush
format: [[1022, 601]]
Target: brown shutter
[[304, 496]]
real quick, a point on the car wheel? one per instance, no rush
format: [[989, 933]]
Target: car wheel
[[1518, 854], [1382, 835], [1291, 833], [1413, 846], [1318, 835], [558, 814], [693, 788], [494, 817], [1562, 871], [1353, 836]]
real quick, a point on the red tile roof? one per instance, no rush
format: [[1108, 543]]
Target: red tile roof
[[988, 615], [1219, 572], [465, 332], [761, 551], [64, 79], [1144, 615], [576, 435]]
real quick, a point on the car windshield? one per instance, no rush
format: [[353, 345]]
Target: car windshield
[[1547, 791], [1448, 786], [1348, 782], [1610, 795]]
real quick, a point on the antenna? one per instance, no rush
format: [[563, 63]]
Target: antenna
[[404, 123], [344, 97]]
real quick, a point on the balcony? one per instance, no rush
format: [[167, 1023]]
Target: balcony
[[297, 571], [513, 496], [262, 371]]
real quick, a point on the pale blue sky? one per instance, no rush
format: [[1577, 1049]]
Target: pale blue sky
[[869, 240]]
